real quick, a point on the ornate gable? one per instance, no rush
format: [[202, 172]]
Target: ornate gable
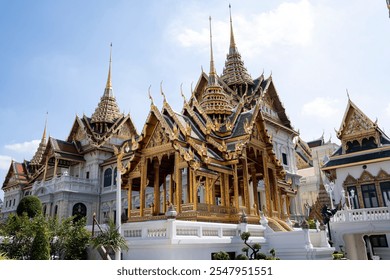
[[350, 180], [366, 177], [158, 137], [273, 107], [356, 128], [382, 175]]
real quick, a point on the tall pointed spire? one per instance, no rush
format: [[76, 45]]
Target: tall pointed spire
[[108, 84], [215, 102], [234, 72], [232, 48], [41, 148], [107, 110], [213, 74]]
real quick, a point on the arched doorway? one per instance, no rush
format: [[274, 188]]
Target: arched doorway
[[79, 210]]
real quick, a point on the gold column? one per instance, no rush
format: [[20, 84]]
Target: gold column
[[129, 198], [222, 189], [267, 186], [144, 178], [156, 199], [177, 182], [55, 167], [45, 173], [235, 182], [195, 191], [246, 184], [278, 197], [171, 188], [165, 194], [255, 196], [226, 190], [190, 185], [206, 188]]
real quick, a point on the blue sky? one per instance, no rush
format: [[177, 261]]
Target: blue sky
[[54, 59]]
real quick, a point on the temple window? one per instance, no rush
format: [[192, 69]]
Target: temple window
[[115, 175], [284, 157], [107, 177], [385, 189], [370, 198]]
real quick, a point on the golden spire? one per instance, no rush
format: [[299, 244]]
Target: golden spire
[[213, 75], [109, 85], [214, 101], [232, 48], [107, 110], [234, 72], [41, 148], [44, 130]]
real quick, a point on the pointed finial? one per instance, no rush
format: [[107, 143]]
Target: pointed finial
[[212, 75], [161, 90], [182, 94], [150, 96], [348, 94], [44, 131], [232, 41], [109, 85]]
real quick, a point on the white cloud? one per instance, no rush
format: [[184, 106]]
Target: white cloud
[[5, 162], [28, 148], [290, 24], [321, 107]]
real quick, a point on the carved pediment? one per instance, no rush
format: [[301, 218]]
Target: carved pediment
[[366, 177], [357, 123], [350, 180], [383, 175], [125, 131], [158, 137]]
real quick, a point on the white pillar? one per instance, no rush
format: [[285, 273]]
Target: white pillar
[[118, 209]]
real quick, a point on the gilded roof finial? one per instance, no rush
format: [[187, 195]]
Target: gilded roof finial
[[109, 85], [162, 92], [232, 48], [182, 94], [150, 96], [41, 148], [212, 75], [44, 131]]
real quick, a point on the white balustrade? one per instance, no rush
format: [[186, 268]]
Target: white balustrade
[[362, 215], [67, 183]]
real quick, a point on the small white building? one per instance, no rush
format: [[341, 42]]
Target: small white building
[[360, 169]]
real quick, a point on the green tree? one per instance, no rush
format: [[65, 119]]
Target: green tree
[[40, 247], [30, 205], [18, 233], [70, 239]]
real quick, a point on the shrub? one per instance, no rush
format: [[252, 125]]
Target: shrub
[[221, 255], [40, 248], [30, 205]]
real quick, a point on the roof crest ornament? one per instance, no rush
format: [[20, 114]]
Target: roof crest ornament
[[161, 91], [182, 94], [150, 96]]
